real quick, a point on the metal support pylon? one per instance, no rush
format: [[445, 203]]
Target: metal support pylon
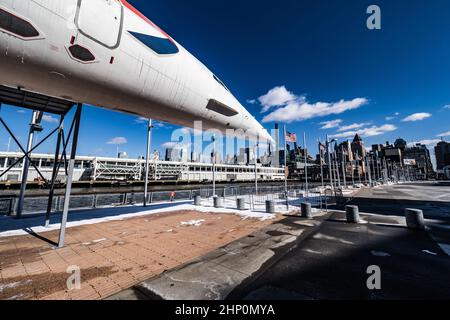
[[62, 232], [56, 166]]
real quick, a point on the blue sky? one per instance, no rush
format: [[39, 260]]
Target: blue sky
[[317, 55]]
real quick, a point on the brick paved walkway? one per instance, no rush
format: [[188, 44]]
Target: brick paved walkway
[[113, 255]]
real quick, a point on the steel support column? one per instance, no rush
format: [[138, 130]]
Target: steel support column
[[147, 164], [73, 153], [56, 167], [26, 166]]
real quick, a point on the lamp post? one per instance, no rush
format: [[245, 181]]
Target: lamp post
[[214, 165], [147, 160], [306, 164], [256, 167]]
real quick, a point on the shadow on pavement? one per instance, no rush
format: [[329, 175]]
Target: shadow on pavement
[[332, 265]]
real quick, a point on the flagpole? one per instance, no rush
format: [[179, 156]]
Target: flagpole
[[285, 161], [344, 171], [330, 164], [306, 163], [321, 163]]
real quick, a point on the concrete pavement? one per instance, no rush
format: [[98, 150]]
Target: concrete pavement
[[324, 258]]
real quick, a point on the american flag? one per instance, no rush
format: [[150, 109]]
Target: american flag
[[291, 137]]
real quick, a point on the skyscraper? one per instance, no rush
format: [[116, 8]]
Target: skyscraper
[[358, 146], [442, 154]]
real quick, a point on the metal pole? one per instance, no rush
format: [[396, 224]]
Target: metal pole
[[62, 232], [353, 174], [359, 171], [337, 168], [256, 168], [285, 161], [306, 164], [9, 144], [321, 164], [147, 159], [369, 171], [379, 167], [329, 164], [214, 165], [344, 173], [55, 172], [26, 166]]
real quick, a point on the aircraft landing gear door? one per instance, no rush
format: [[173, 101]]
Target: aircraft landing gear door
[[101, 21]]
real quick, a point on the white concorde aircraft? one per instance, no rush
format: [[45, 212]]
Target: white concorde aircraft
[[106, 53]]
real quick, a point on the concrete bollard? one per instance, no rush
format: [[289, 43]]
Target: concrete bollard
[[352, 214], [270, 206], [218, 203], [415, 219], [240, 203], [306, 210], [197, 201]]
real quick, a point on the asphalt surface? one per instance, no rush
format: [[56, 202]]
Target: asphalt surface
[[432, 197], [325, 258], [332, 264]]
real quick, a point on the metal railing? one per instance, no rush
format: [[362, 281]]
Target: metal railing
[[296, 195], [6, 207]]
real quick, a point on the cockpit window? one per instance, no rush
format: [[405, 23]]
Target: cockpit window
[[220, 82], [159, 45]]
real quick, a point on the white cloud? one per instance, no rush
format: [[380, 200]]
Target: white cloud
[[444, 134], [331, 124], [300, 110], [427, 142], [367, 132], [169, 145], [118, 141], [353, 126], [276, 97], [417, 117], [389, 118], [156, 124], [141, 120], [252, 101], [447, 106], [176, 145], [49, 119]]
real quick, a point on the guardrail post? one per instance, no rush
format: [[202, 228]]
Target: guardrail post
[[94, 201]]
